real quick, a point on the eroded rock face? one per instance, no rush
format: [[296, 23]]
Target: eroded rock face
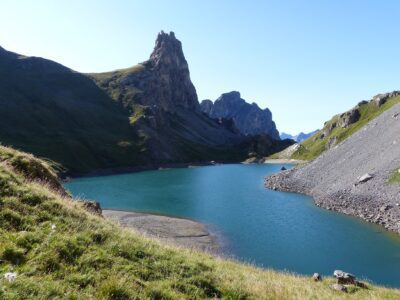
[[249, 118], [381, 99], [164, 80], [349, 118]]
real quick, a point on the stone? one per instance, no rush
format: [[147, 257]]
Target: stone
[[349, 117], [344, 277], [339, 287], [283, 168], [365, 178], [10, 276], [331, 142], [384, 208], [381, 99], [316, 277], [92, 207]]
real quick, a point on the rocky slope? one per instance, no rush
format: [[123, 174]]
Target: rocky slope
[[145, 115], [343, 125], [352, 176], [248, 118]]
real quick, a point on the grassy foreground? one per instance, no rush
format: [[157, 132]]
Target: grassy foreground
[[60, 251]]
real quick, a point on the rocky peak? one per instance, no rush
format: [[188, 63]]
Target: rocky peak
[[249, 118], [168, 52], [169, 86]]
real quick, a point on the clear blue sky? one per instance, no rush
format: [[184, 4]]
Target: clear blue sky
[[305, 60]]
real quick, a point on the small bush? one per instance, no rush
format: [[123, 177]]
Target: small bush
[[115, 290], [27, 240], [11, 219], [13, 254]]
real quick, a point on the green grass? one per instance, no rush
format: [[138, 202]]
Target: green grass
[[315, 145], [395, 176], [87, 257]]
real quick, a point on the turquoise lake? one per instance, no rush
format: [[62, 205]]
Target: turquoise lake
[[283, 231]]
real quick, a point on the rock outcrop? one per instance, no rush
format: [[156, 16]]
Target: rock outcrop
[[168, 83], [352, 177], [381, 99], [249, 118]]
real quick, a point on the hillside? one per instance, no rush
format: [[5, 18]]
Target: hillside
[[358, 176], [248, 118], [341, 126], [59, 250], [143, 116]]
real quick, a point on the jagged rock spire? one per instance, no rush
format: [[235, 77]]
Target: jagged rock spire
[[168, 50], [172, 87]]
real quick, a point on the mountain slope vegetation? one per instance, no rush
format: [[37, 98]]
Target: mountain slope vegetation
[[58, 250], [341, 126]]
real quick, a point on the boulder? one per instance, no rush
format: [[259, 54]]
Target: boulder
[[331, 142], [283, 168], [349, 117], [339, 287], [344, 277], [381, 99], [365, 178], [316, 277], [92, 207]]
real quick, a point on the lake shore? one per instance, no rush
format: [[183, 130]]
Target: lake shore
[[178, 231]]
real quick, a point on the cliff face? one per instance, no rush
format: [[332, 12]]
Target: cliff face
[[163, 80], [249, 118]]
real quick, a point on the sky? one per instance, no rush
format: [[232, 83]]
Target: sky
[[305, 60]]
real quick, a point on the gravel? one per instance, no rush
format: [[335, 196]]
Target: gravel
[[333, 179]]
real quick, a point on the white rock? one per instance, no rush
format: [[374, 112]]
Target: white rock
[[10, 276], [365, 177]]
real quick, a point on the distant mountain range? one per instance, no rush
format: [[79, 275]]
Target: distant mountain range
[[248, 118], [145, 115], [299, 137]]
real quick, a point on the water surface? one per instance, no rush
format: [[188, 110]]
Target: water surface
[[284, 231]]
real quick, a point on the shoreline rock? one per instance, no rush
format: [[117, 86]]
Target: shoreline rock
[[181, 232]]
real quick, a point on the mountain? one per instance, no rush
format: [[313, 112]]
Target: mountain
[[145, 115], [342, 126], [249, 118], [299, 137], [358, 176]]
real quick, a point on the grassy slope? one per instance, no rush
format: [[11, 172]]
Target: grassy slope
[[87, 257], [54, 112], [314, 146]]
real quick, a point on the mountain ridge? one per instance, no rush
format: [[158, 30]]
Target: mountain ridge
[[250, 119], [145, 115]]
